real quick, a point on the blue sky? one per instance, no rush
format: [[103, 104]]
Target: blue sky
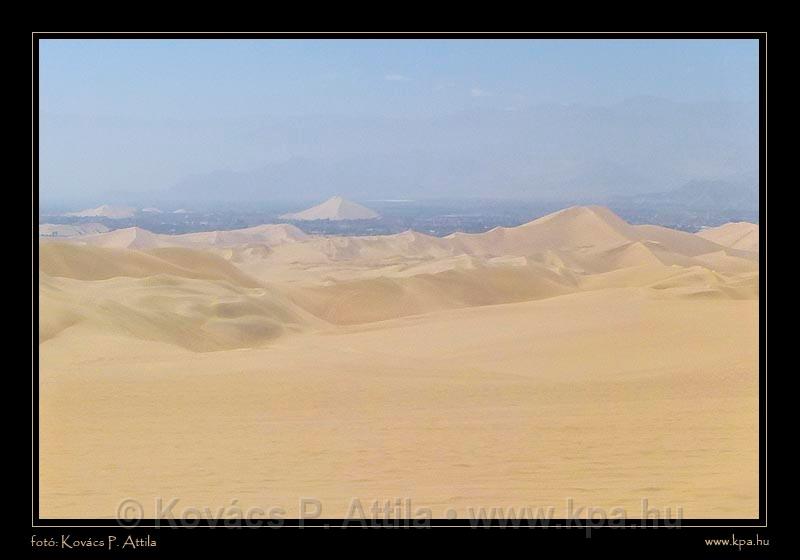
[[102, 102], [199, 79]]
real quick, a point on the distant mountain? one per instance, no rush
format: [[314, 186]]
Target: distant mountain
[[564, 151], [702, 195], [694, 203], [335, 208], [105, 211]]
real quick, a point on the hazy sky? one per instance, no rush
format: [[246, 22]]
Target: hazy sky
[[141, 115]]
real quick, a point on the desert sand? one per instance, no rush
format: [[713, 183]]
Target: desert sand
[[576, 357], [335, 208], [738, 235]]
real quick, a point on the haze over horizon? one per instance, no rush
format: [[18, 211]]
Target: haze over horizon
[[140, 121]]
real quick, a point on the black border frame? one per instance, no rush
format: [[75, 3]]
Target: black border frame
[[760, 522]]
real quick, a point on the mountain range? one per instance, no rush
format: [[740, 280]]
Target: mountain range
[[565, 151]]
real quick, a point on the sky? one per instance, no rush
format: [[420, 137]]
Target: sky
[[143, 115]]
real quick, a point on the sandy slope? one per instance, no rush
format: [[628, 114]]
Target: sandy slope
[[335, 208], [138, 238], [737, 235], [576, 356]]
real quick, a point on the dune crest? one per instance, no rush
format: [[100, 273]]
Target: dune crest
[[193, 299], [138, 238], [736, 235], [364, 279], [335, 208]]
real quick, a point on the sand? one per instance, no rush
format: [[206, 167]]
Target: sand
[[737, 235], [573, 358], [335, 208]]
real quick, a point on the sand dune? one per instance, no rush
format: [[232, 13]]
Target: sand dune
[[736, 235], [199, 315], [560, 359], [585, 239], [182, 296], [268, 234], [335, 208], [353, 280], [377, 299], [99, 263], [126, 238], [138, 238], [575, 228], [588, 231], [70, 230]]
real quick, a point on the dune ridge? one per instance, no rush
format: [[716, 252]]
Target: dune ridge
[[353, 280], [736, 235]]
